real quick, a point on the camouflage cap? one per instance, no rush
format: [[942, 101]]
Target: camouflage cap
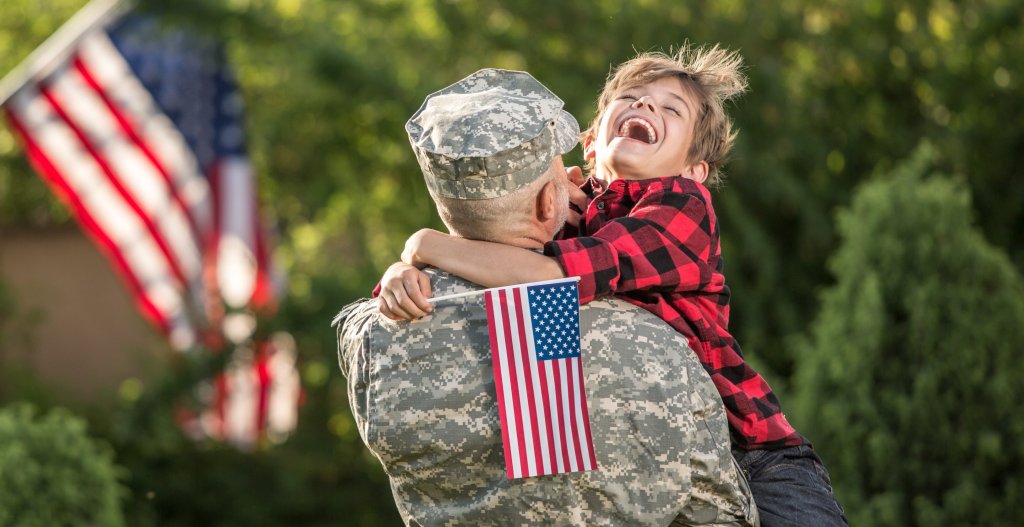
[[489, 134]]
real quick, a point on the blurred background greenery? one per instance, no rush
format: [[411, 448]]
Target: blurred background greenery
[[898, 358]]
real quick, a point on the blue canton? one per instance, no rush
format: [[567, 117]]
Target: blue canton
[[187, 76], [555, 314]]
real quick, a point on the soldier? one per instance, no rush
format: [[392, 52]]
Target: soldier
[[423, 394]]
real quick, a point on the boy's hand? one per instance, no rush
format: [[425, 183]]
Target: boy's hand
[[577, 198], [404, 290]]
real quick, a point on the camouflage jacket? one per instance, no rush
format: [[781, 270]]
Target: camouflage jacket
[[423, 398]]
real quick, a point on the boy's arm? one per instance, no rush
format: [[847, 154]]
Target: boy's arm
[[663, 244], [486, 263]]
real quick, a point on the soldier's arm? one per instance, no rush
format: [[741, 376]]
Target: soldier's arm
[[486, 263]]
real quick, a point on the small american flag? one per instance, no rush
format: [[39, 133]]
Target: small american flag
[[538, 376]]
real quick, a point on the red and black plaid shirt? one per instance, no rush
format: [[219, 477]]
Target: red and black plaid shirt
[[655, 243]]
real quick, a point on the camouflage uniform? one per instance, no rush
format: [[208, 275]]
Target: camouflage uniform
[[423, 398], [422, 393]]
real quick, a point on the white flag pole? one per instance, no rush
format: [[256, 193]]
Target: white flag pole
[[482, 291], [479, 292], [56, 47]]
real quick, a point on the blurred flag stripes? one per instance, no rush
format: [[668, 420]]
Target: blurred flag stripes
[[138, 129]]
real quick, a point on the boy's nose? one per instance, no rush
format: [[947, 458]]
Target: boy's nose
[[644, 102]]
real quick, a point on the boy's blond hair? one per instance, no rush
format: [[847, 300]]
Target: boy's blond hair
[[712, 74]]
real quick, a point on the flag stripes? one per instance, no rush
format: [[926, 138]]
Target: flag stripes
[[75, 177], [92, 156], [541, 402], [137, 128]]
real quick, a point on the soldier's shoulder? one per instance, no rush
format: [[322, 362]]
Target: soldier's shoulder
[[445, 283], [355, 313], [612, 314]]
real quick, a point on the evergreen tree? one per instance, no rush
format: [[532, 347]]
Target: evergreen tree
[[53, 473], [910, 381]]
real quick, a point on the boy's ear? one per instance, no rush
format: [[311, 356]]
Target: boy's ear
[[697, 172], [588, 147]]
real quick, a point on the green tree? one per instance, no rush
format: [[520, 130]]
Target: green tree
[[909, 381], [53, 473]]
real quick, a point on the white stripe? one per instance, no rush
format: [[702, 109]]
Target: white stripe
[[240, 410], [570, 452], [524, 403], [553, 399], [282, 411], [112, 73], [538, 402], [581, 424], [140, 179], [82, 174], [236, 253], [506, 385]]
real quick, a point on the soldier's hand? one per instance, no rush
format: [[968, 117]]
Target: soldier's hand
[[404, 291]]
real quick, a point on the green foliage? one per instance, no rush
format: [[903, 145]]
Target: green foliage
[[839, 89], [909, 381], [320, 477], [53, 473]]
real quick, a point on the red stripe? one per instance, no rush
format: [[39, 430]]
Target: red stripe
[[586, 415], [525, 354], [542, 366], [154, 233], [263, 293], [70, 198], [213, 239], [572, 413], [219, 407], [264, 379], [513, 376], [492, 330], [556, 370], [130, 130]]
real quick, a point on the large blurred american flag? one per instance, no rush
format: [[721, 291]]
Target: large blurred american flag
[[137, 127]]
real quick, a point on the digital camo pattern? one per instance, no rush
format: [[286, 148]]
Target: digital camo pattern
[[423, 398], [489, 134]]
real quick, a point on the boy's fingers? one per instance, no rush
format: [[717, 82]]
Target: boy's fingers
[[398, 308], [403, 296], [575, 175], [382, 306], [578, 198], [573, 218], [419, 292]]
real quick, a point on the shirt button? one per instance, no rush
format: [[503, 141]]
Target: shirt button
[[600, 205]]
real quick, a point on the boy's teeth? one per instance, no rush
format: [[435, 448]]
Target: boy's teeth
[[635, 129]]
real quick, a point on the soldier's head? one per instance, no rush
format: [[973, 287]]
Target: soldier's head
[[490, 149]]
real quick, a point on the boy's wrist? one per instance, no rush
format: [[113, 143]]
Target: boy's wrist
[[417, 247]]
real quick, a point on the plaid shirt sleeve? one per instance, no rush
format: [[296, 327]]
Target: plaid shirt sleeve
[[663, 244]]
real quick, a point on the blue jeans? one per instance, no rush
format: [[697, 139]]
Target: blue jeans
[[791, 487]]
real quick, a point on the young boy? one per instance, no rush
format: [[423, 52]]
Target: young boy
[[649, 234]]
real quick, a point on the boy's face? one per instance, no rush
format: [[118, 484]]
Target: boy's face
[[646, 132]]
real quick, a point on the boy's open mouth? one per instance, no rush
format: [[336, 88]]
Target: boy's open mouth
[[638, 129]]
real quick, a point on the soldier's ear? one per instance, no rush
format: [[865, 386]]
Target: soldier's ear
[[546, 207]]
